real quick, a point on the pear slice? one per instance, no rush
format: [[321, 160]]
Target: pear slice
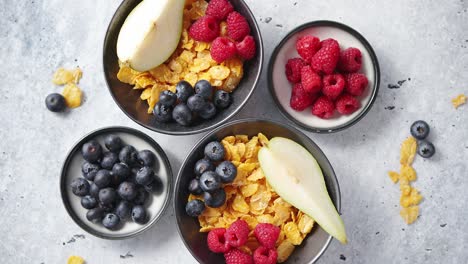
[[150, 33], [296, 176]]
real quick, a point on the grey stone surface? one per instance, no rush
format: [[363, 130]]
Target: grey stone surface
[[422, 40]]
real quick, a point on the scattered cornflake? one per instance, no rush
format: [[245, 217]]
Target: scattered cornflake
[[63, 76], [394, 176], [410, 214], [75, 260], [459, 100], [72, 94], [408, 151]]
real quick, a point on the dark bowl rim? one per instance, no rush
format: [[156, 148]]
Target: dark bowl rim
[[247, 120], [76, 147], [179, 133], [375, 64]]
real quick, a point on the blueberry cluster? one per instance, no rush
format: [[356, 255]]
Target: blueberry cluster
[[420, 130], [188, 103], [116, 182], [210, 173]]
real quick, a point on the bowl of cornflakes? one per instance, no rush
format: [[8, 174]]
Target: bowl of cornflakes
[[249, 197], [137, 93]]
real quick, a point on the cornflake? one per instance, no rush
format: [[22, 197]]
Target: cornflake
[[75, 260], [459, 100]]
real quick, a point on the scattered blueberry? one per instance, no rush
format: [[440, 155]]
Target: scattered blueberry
[[128, 155], [80, 187], [94, 190], [227, 171], [139, 214], [194, 187], [108, 160], [203, 165], [107, 196], [208, 112], [127, 191], [167, 98], [91, 151], [222, 99], [113, 143], [195, 207], [123, 210], [204, 89], [426, 149], [146, 158], [145, 176], [183, 91], [182, 114], [89, 170], [121, 169], [88, 202], [141, 196], [420, 129], [196, 103], [162, 113], [214, 151], [103, 178], [215, 199], [55, 102], [95, 214], [110, 221], [210, 181]]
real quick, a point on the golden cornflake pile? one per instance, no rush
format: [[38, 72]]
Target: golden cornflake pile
[[410, 197], [459, 100], [191, 61], [75, 260], [250, 198], [70, 78]]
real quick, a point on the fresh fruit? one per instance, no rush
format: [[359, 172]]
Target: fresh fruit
[[214, 151], [196, 103], [307, 46], [162, 113], [127, 191], [237, 234], [246, 48], [94, 190], [222, 49], [167, 98], [263, 255], [300, 99], [55, 102], [113, 143], [146, 158], [297, 178], [346, 104], [91, 151], [356, 83], [139, 214], [209, 111], [350, 60], [221, 99], [216, 241], [323, 107], [80, 187], [95, 214], [152, 25], [89, 170], [194, 187], [237, 26], [88, 202], [182, 114], [426, 149], [227, 171], [333, 85], [121, 170], [154, 186], [326, 58], [107, 196], [103, 178], [123, 210], [420, 129], [204, 89], [183, 91], [128, 155], [310, 80], [144, 176], [141, 196], [293, 69], [110, 221], [219, 9], [108, 160], [203, 165], [236, 256], [194, 208], [210, 181], [266, 234], [204, 29], [215, 199]]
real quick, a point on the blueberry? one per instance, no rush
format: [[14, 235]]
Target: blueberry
[[167, 98], [222, 99], [141, 196], [196, 103], [80, 187], [426, 149], [123, 210], [94, 190], [121, 170], [153, 186], [146, 158], [215, 199], [113, 143], [139, 214], [110, 221], [210, 181], [103, 178], [127, 191], [208, 112], [204, 89], [203, 165], [420, 129], [95, 214], [214, 151], [91, 151], [184, 90], [107, 196], [226, 171], [108, 208], [145, 176], [195, 207], [108, 160], [89, 170], [194, 187], [162, 113], [182, 114], [88, 202], [128, 155], [55, 102]]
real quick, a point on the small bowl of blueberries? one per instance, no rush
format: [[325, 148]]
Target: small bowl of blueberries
[[116, 182]]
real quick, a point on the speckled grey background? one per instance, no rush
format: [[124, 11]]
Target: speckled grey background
[[422, 40]]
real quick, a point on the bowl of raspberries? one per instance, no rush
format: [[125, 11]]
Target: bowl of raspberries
[[324, 76]]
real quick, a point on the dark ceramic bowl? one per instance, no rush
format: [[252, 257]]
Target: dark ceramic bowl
[[315, 243], [280, 88], [129, 100], [156, 203]]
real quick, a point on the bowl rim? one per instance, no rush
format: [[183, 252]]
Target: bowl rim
[[375, 64], [101, 131], [247, 120], [260, 54]]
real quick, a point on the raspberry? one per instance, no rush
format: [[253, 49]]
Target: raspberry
[[346, 104], [350, 60], [237, 26], [267, 234], [236, 235], [216, 241], [219, 9], [263, 255], [310, 80], [307, 46], [293, 69], [222, 49], [356, 83], [246, 48], [326, 58], [323, 107], [333, 85], [205, 29], [300, 99], [236, 256]]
